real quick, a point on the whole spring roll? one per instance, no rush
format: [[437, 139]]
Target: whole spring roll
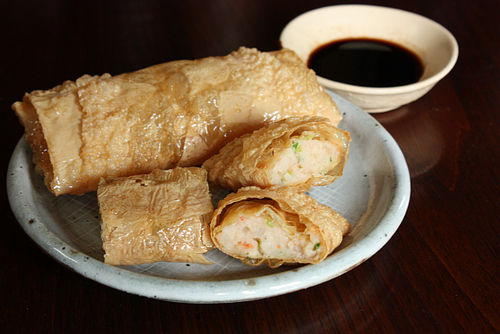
[[161, 216], [173, 114], [276, 226], [297, 152]]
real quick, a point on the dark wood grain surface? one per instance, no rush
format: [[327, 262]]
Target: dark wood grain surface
[[438, 274]]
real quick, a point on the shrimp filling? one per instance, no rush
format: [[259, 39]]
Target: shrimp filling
[[254, 229], [305, 158]]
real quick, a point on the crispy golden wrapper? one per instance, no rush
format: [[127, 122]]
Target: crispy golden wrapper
[[297, 152], [173, 114], [161, 216], [276, 226]]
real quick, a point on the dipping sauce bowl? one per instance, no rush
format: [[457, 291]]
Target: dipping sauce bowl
[[434, 45]]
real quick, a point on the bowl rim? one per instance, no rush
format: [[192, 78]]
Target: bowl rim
[[430, 81]]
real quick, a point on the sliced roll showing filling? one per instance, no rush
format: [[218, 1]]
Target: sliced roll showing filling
[[276, 226], [298, 152]]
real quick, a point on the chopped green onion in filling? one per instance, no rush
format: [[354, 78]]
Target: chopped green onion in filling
[[296, 147], [259, 245], [316, 246], [270, 222]]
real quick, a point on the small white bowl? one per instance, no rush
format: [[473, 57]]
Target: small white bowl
[[434, 44]]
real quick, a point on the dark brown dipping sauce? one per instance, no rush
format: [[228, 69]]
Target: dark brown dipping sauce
[[366, 62]]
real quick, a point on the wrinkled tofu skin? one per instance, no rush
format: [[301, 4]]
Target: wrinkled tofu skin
[[161, 216], [174, 114], [276, 226], [297, 152]]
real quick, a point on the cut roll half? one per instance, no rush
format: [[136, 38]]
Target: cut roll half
[[298, 152], [276, 226]]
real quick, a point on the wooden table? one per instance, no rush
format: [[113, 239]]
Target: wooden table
[[438, 274]]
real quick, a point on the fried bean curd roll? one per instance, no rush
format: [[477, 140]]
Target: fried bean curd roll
[[276, 226], [161, 216], [174, 114], [298, 152]]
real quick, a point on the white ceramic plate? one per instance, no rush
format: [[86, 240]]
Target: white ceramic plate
[[373, 195]]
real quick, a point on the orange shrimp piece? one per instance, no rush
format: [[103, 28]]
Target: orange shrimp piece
[[245, 244]]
